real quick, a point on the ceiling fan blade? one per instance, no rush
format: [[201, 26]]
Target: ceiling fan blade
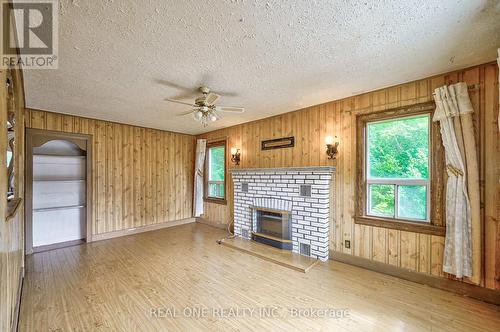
[[180, 102], [227, 93], [183, 96], [211, 98], [233, 109], [217, 114], [186, 113], [174, 85]]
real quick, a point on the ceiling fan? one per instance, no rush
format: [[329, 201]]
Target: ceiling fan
[[204, 109]]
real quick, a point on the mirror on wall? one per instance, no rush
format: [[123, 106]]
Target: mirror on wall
[[11, 135]]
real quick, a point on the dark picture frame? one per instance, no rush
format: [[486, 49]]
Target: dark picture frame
[[278, 143]]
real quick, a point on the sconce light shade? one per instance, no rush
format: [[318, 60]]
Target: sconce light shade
[[235, 156], [329, 140]]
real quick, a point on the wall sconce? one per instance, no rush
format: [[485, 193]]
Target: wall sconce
[[235, 156], [331, 147]]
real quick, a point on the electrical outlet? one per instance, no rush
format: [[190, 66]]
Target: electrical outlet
[[347, 244]]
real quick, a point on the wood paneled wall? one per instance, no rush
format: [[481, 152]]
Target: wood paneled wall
[[416, 252], [141, 176], [12, 229]]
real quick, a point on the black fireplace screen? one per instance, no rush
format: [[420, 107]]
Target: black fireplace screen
[[275, 224]]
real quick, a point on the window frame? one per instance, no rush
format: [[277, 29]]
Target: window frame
[[398, 182], [206, 181], [434, 223]]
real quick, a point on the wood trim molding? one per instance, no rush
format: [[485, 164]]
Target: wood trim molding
[[208, 223], [85, 142], [43, 136], [402, 225], [217, 139], [458, 287], [57, 246], [215, 200], [213, 143], [148, 228], [437, 173]]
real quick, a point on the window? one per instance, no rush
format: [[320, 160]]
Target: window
[[215, 181], [397, 168], [397, 180]]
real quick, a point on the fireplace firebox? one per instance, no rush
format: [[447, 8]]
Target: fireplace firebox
[[272, 227]]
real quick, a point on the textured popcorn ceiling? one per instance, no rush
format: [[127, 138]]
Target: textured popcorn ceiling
[[277, 56]]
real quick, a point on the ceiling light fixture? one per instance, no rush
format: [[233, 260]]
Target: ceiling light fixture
[[204, 108]]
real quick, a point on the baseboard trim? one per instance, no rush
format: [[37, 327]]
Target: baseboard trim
[[143, 229], [206, 222], [461, 288], [17, 309], [56, 246]]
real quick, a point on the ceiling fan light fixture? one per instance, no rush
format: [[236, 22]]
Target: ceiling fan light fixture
[[204, 109], [197, 115]]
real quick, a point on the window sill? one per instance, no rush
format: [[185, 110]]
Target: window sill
[[221, 201], [401, 225]]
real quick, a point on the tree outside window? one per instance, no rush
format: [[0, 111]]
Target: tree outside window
[[216, 171], [397, 168]]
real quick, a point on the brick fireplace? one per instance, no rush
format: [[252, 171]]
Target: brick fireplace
[[302, 194]]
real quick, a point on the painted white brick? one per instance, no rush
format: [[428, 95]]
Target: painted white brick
[[319, 215], [310, 215]]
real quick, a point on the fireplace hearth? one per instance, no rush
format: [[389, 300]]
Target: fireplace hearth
[[272, 227]]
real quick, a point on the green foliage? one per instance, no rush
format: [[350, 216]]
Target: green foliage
[[399, 149], [412, 202], [217, 167], [216, 171], [216, 190], [382, 200]]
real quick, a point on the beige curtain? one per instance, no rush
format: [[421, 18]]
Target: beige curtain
[[201, 146], [463, 225]]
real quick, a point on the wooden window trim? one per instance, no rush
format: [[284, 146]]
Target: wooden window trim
[[436, 224], [206, 198]]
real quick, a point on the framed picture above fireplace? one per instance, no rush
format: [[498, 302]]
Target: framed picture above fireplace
[[279, 143]]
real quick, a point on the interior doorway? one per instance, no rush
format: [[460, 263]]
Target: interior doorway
[[58, 189]]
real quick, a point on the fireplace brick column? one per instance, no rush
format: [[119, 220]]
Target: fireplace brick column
[[306, 191]]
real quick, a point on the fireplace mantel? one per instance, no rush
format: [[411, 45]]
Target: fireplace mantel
[[316, 169]]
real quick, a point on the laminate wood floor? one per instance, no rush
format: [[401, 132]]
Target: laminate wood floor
[[180, 279]]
